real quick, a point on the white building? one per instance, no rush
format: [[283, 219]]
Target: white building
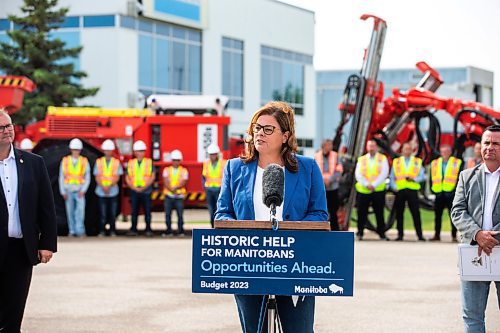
[[252, 51]]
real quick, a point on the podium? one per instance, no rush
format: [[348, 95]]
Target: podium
[[268, 225], [250, 258]]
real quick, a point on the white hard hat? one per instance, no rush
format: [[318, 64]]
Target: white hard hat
[[108, 145], [213, 149], [76, 144], [176, 155], [139, 145], [26, 144]]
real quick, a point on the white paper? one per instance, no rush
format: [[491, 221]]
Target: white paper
[[475, 268]]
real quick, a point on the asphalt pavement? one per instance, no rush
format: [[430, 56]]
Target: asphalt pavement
[[139, 284]]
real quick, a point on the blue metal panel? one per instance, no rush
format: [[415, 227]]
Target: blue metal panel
[[179, 8], [71, 22], [99, 21]]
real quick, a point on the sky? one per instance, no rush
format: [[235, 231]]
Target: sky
[[443, 33]]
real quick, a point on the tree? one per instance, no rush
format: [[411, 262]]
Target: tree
[[33, 53]]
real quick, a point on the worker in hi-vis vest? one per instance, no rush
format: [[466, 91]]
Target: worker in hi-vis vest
[[211, 177], [406, 175], [175, 177], [140, 177], [371, 173], [74, 181], [331, 169], [443, 179], [477, 159], [107, 172]]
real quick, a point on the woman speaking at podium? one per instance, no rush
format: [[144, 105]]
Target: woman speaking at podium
[[271, 140]]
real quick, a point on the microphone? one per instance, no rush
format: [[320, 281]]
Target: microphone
[[273, 184]]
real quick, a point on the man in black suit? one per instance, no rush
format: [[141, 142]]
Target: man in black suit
[[28, 229]]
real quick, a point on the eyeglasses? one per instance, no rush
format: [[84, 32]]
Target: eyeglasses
[[268, 129], [8, 127]]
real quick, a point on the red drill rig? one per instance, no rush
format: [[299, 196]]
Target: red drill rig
[[396, 119]]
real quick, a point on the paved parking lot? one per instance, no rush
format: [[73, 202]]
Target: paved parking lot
[[144, 285]]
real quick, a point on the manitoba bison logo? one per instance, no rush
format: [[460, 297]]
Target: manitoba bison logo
[[336, 289]]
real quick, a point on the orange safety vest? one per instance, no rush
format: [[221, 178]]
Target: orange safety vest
[[74, 174], [332, 164], [174, 177], [471, 162], [139, 173], [213, 175], [371, 173], [107, 171], [451, 173], [401, 171]]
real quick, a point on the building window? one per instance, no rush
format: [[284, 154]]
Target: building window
[[304, 143], [4, 24], [232, 71], [282, 77], [169, 58]]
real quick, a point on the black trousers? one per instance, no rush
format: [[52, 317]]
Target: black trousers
[[15, 279], [377, 200], [402, 197], [443, 200], [332, 202]]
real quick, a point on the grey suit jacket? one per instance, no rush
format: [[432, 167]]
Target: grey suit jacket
[[468, 204]]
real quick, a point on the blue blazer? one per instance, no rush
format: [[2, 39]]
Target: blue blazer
[[305, 197]]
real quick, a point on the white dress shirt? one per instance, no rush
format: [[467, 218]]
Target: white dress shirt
[[262, 212], [492, 182], [8, 175]]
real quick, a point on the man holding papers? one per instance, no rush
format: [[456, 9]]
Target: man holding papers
[[476, 214]]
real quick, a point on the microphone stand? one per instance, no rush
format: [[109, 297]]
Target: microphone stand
[[271, 300]]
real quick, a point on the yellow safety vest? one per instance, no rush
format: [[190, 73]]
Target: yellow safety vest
[[174, 175], [332, 164], [107, 171], [139, 172], [213, 175], [74, 174], [451, 172], [401, 171], [371, 172]]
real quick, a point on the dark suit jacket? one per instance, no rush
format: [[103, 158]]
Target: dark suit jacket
[[36, 207], [468, 205]]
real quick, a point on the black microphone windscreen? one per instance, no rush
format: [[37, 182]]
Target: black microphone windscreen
[[273, 185]]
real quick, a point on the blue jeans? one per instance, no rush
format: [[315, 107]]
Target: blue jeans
[[474, 300], [299, 319], [107, 213], [137, 199], [75, 212], [178, 205], [212, 196]]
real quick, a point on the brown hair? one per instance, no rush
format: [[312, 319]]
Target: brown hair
[[284, 115]]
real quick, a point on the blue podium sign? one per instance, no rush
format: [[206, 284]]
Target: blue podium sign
[[266, 262]]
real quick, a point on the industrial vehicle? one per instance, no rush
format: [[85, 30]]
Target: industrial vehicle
[[397, 119], [184, 122]]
